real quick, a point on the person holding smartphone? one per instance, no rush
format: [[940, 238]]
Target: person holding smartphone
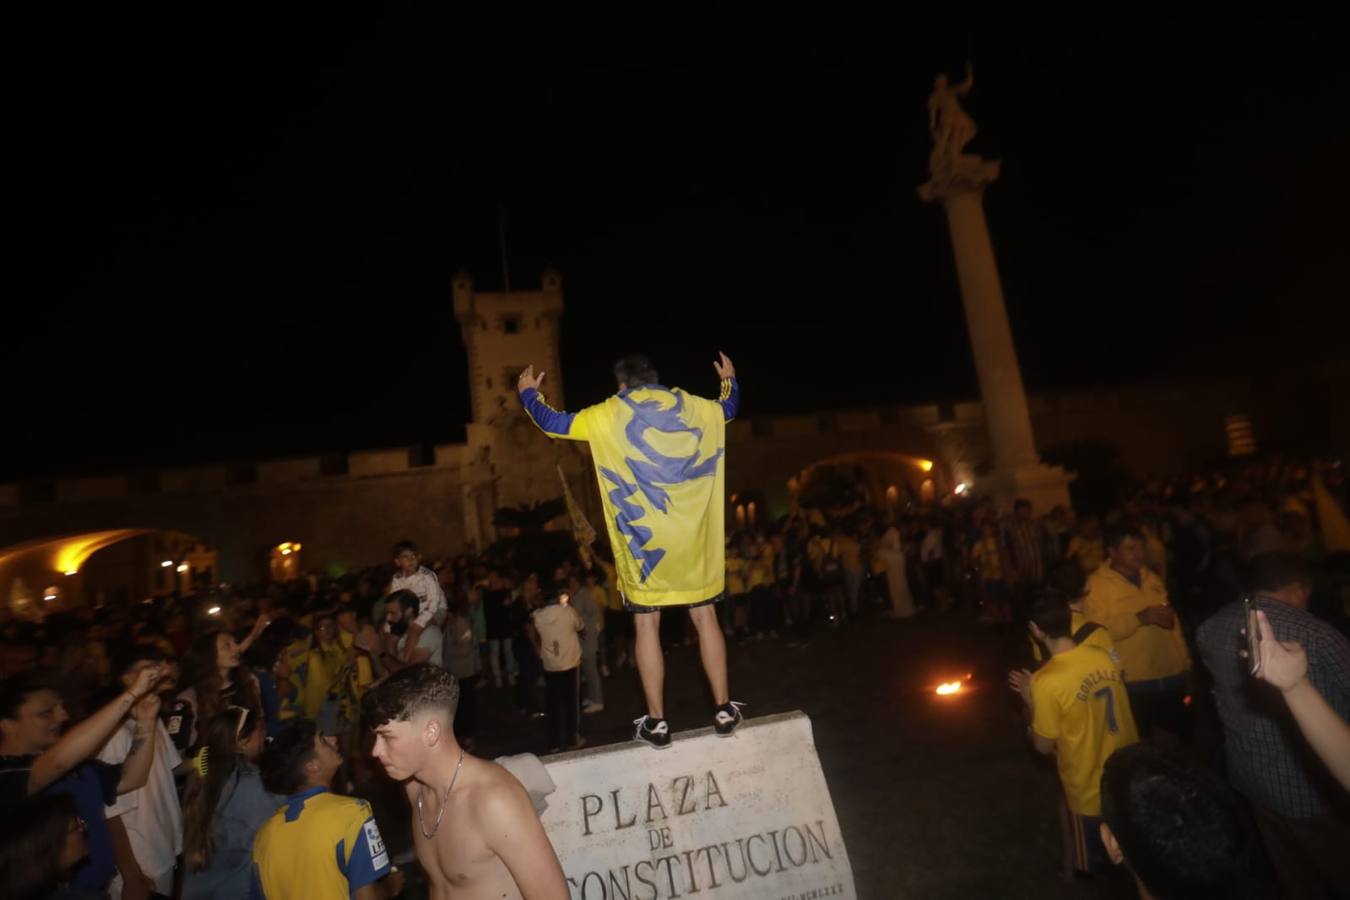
[[1285, 665], [1301, 810]]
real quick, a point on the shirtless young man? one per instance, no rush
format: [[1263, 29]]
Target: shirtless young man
[[476, 832]]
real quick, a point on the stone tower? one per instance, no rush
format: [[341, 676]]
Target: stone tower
[[512, 462], [505, 332]]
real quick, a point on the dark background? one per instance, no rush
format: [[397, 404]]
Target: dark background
[[236, 235]]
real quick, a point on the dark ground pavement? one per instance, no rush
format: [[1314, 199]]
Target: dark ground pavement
[[937, 797]]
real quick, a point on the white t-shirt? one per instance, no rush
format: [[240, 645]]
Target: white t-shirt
[[560, 648], [150, 814], [931, 548], [427, 587], [430, 639]]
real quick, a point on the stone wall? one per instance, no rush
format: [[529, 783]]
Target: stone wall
[[348, 508]]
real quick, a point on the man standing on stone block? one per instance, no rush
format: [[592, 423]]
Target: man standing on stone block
[[659, 459]]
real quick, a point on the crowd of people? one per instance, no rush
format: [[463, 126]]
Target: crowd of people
[[1225, 611], [198, 720], [963, 556]]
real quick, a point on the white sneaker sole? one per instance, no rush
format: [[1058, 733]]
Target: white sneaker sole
[[650, 744]]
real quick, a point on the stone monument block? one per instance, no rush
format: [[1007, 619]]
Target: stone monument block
[[748, 816]]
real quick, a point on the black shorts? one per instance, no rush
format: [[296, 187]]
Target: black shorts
[[640, 609]]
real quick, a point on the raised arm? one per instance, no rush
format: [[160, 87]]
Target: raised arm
[[965, 86], [259, 627], [136, 769], [730, 397], [552, 422], [84, 740], [1285, 665]]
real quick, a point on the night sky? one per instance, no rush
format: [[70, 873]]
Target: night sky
[[236, 237]]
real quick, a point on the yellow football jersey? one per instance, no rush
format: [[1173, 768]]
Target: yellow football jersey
[[1079, 701], [659, 457], [318, 845]]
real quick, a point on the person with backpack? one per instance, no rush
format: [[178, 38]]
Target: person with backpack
[[1079, 711], [1067, 581]]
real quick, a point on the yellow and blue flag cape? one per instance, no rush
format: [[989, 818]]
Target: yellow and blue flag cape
[[660, 458]]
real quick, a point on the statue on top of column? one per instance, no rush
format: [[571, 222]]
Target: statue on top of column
[[950, 125], [952, 128]]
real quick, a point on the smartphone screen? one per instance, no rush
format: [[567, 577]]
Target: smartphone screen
[[1253, 636]]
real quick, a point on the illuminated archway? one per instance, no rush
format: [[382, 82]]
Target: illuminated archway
[[883, 480], [60, 573], [284, 561]]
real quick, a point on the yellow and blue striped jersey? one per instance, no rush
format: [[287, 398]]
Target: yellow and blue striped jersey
[[318, 845]]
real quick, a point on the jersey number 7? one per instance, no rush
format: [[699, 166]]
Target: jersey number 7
[[1110, 708]]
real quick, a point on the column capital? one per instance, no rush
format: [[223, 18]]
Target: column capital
[[967, 174]]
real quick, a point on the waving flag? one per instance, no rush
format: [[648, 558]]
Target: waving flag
[[582, 531]]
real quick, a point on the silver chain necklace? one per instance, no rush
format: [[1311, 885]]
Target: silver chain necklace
[[421, 822]]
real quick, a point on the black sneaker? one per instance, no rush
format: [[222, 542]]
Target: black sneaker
[[652, 731], [728, 718]]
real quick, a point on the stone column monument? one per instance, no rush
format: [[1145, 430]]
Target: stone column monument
[[957, 180]]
